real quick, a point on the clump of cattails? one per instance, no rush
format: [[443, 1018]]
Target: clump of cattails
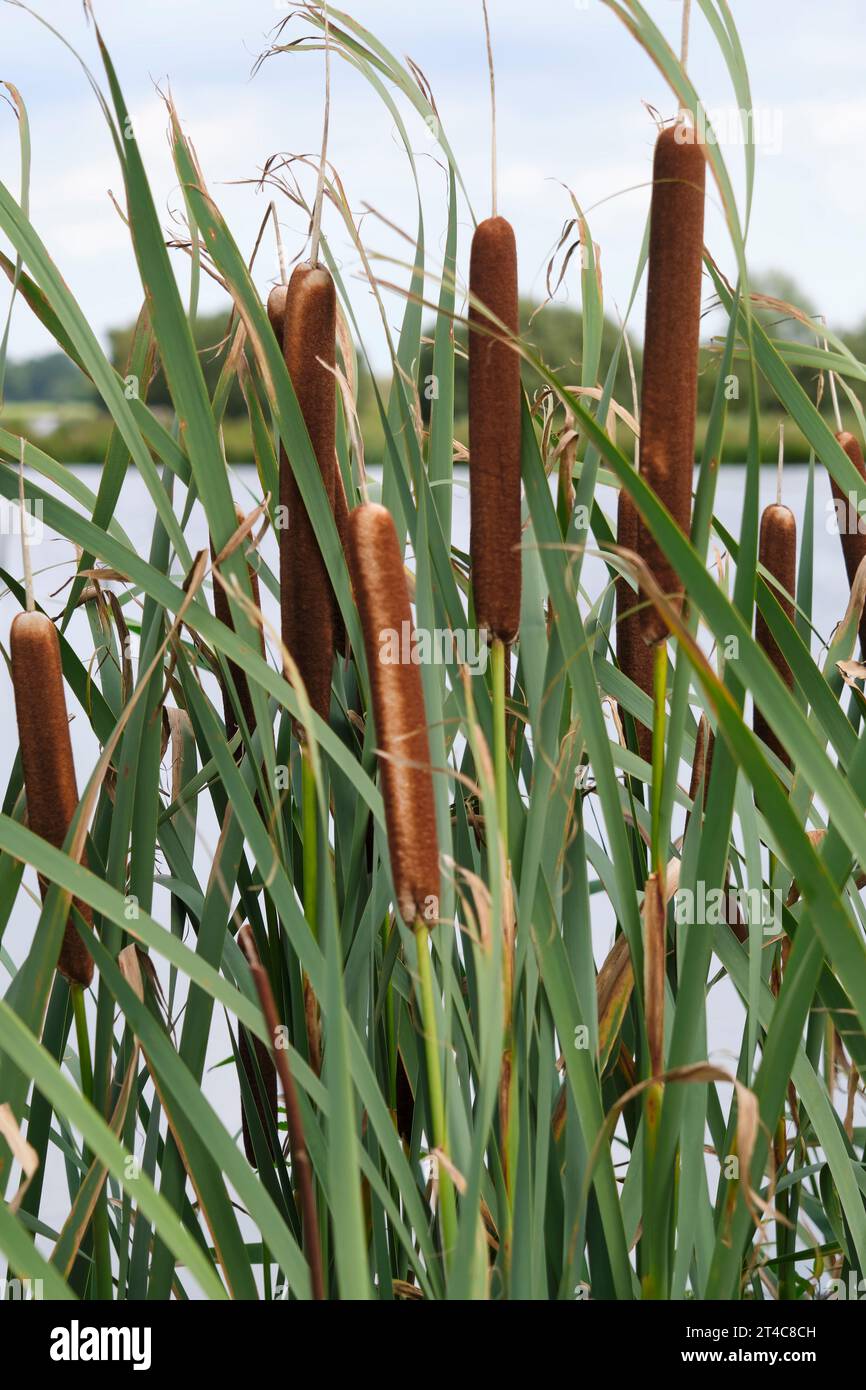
[[223, 612], [380, 588], [853, 540], [670, 369], [494, 430], [46, 759], [309, 331], [778, 555], [634, 656], [264, 1091]]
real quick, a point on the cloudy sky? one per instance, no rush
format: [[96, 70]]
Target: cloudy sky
[[573, 91]]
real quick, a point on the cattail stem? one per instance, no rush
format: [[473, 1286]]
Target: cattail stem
[[447, 1201], [684, 34], [660, 680], [500, 750], [494, 181], [310, 821], [25, 538], [83, 1040], [316, 230]]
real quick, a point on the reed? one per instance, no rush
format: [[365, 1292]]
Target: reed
[[46, 760], [494, 431], [670, 367], [778, 555], [852, 538]]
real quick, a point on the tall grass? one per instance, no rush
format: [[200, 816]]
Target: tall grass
[[511, 1097]]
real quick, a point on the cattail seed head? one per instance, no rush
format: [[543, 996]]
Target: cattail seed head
[[222, 610], [853, 540], [398, 708], [306, 599], [266, 1104], [778, 555], [703, 764], [634, 656], [46, 759], [494, 431], [670, 368]]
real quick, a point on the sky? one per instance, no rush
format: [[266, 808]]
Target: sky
[[575, 95]]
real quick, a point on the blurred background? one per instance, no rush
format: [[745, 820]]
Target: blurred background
[[577, 106]]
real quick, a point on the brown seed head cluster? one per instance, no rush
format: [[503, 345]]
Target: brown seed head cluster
[[670, 368], [494, 431], [46, 759], [398, 709], [309, 324], [778, 555]]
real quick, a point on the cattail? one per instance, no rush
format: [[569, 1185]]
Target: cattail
[[703, 763], [266, 1104], [306, 596], [853, 540], [398, 708], [778, 555], [46, 759], [223, 612], [670, 370], [494, 431], [634, 656]]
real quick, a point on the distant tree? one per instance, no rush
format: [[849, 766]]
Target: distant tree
[[51, 377], [209, 335], [555, 335]]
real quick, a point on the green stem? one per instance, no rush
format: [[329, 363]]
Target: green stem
[[447, 1203], [660, 678], [310, 822], [101, 1239], [500, 749]]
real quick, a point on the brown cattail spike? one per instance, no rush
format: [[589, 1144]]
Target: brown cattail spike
[[266, 1104], [778, 555], [241, 684], [306, 599], [852, 538], [398, 708], [46, 759], [635, 657], [494, 430], [670, 370], [703, 763]]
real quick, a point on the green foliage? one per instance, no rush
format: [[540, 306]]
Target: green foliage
[[546, 820]]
